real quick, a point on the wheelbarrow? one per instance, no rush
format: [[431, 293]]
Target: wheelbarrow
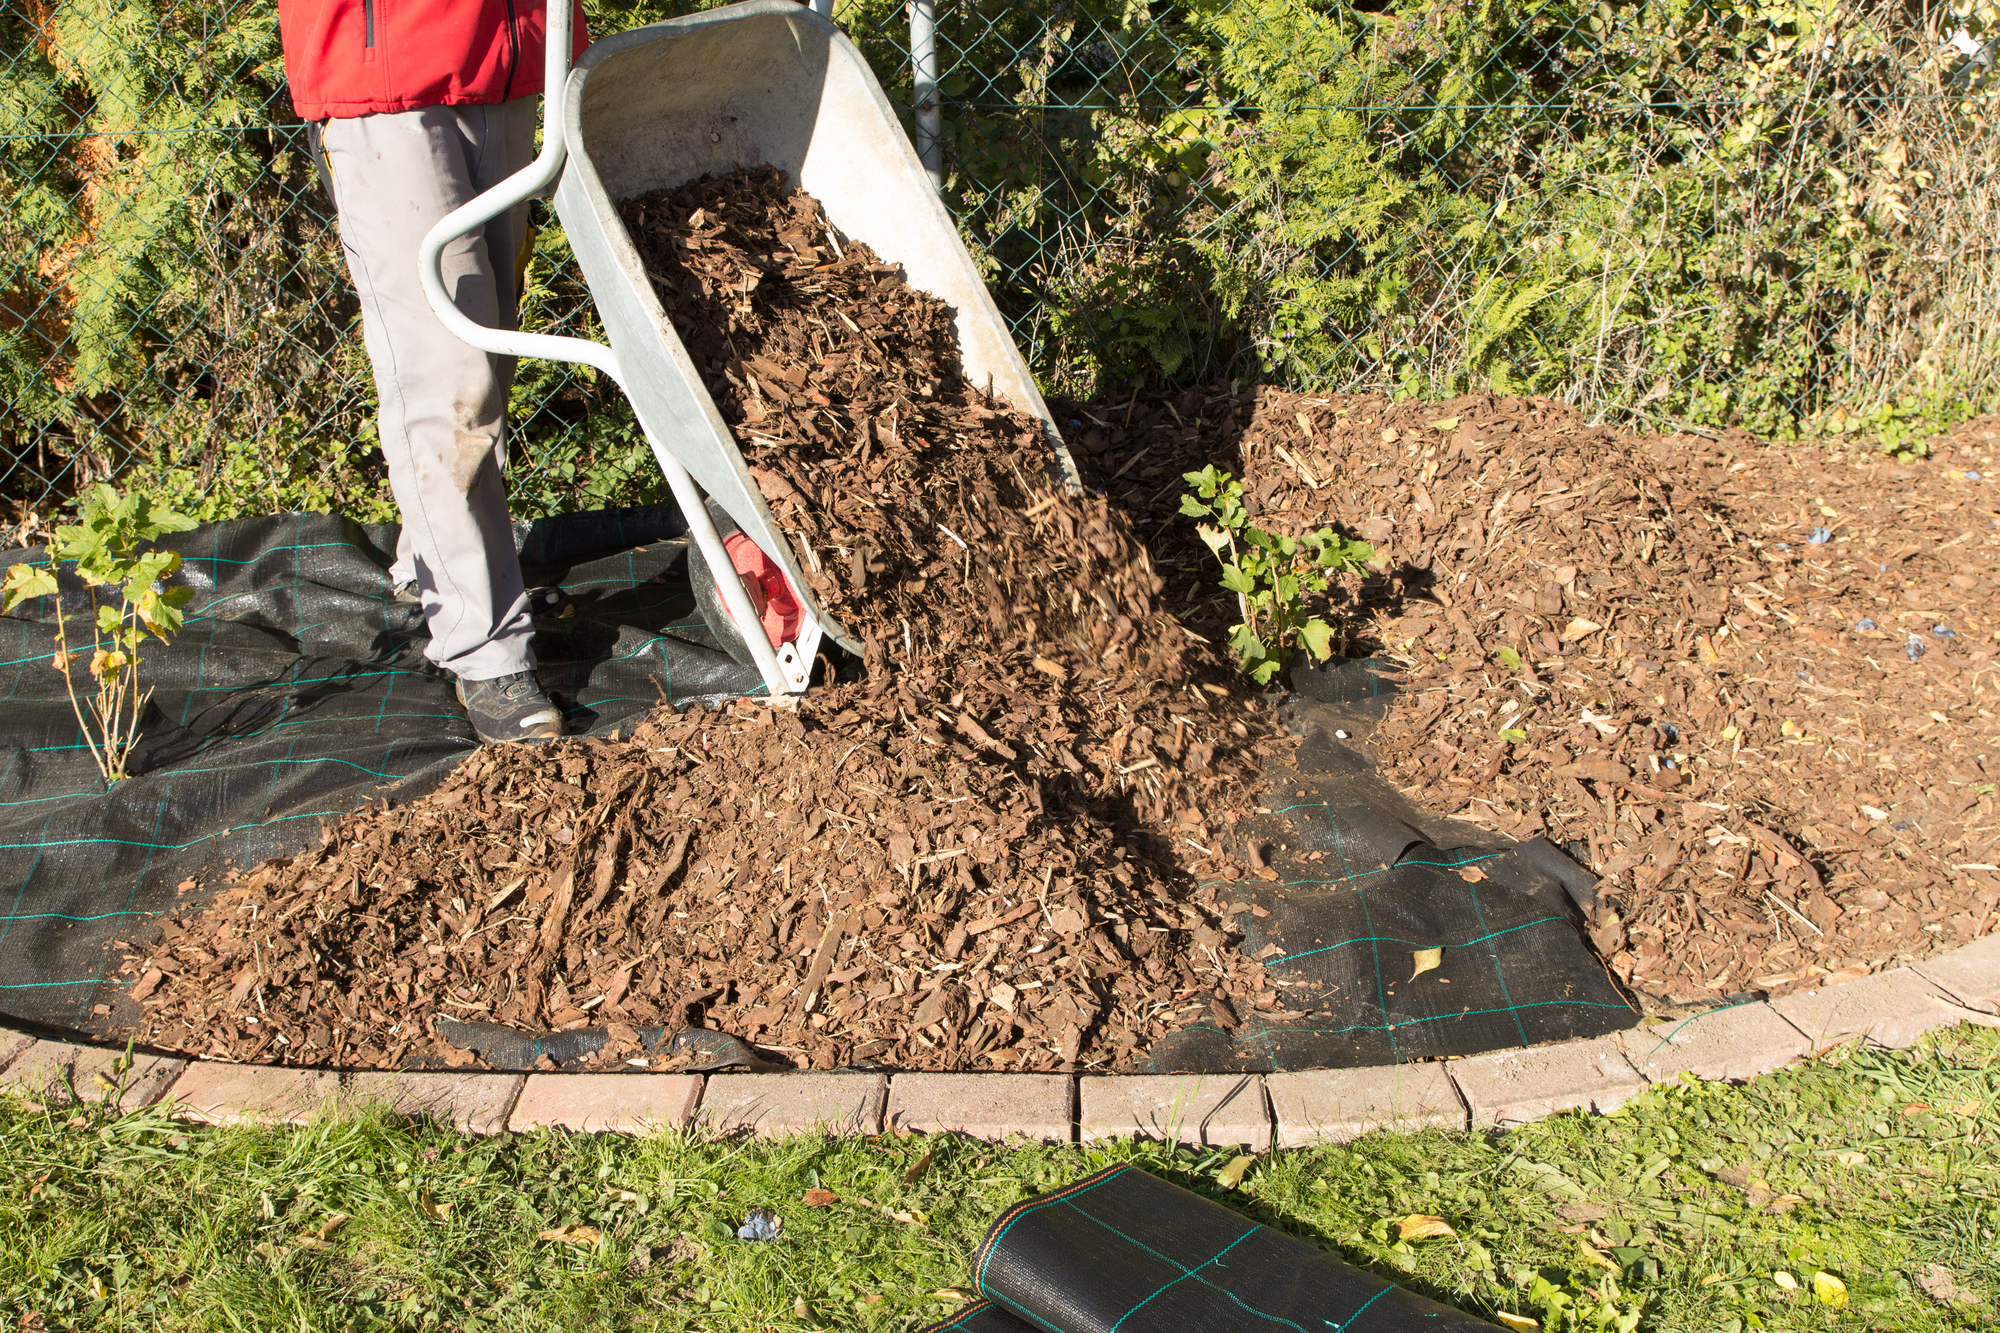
[[762, 83]]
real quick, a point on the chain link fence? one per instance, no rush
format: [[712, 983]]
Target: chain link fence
[[1778, 215]]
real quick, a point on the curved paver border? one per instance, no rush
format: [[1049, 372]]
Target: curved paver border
[[1891, 1009]]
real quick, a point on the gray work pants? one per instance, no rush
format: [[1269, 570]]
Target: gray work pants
[[443, 403]]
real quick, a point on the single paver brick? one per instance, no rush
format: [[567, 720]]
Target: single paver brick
[[1334, 1105], [469, 1103], [1971, 971], [1891, 1009], [623, 1103], [50, 1070], [986, 1106], [1200, 1110], [1739, 1042], [773, 1105], [1515, 1087], [12, 1044], [227, 1094]]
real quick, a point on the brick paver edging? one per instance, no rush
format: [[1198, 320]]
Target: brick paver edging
[[1257, 1111]]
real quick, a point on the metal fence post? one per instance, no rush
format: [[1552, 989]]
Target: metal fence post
[[930, 116], [823, 8]]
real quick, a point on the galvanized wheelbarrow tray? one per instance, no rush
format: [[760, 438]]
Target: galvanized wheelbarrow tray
[[763, 83]]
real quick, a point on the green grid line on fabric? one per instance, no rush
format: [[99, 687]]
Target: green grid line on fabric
[[1363, 874], [1706, 1013], [1381, 986], [1067, 1198], [65, 916], [1026, 1206], [1397, 939], [1499, 972], [1187, 1274], [1390, 1028], [165, 846]]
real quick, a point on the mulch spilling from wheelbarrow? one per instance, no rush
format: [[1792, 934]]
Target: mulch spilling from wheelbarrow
[[1751, 686], [983, 855]]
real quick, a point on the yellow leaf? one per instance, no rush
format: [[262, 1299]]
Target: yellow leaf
[[437, 1212], [1422, 1226], [1232, 1175], [1427, 960], [1713, 1278], [1445, 424], [1785, 1280], [1730, 733], [1829, 1290], [1709, 656], [1968, 1108], [571, 1235], [1850, 1157], [333, 1223], [1592, 1254], [1520, 1323], [1580, 629]]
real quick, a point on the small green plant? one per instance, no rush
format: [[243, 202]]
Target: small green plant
[[109, 550], [1270, 574]]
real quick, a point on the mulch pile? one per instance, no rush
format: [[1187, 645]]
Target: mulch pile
[[1748, 685], [982, 855], [1745, 684]]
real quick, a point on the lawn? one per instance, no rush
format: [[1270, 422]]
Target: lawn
[[1861, 1191]]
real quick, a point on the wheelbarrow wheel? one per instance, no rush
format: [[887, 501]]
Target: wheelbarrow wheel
[[770, 591]]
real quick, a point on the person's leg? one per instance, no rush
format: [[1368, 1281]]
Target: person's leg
[[443, 403]]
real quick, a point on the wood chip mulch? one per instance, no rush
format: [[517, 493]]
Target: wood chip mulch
[[1750, 685], [956, 863]]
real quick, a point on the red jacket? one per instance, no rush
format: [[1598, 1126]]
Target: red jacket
[[360, 57]]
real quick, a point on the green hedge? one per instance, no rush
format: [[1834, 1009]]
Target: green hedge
[[1774, 215]]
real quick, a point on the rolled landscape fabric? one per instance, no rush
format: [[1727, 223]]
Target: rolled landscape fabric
[[1124, 1250]]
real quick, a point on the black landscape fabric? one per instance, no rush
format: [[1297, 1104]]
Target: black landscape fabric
[[296, 691], [1392, 935], [1124, 1250]]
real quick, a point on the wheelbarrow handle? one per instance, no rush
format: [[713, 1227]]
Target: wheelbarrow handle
[[518, 188], [779, 677]]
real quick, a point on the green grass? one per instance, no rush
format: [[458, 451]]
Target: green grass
[[137, 1222]]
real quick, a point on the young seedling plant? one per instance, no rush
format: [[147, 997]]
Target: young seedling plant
[[109, 550], [1271, 575]]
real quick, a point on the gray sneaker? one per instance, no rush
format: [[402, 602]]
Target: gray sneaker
[[510, 708]]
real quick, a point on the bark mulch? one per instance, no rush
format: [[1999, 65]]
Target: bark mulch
[[982, 855], [1750, 685]]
